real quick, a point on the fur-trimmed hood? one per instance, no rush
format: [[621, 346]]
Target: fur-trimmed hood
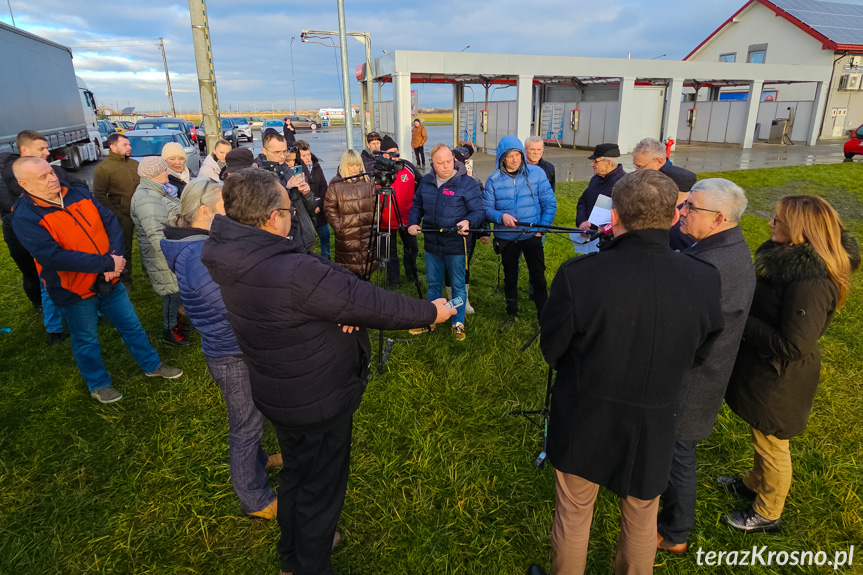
[[786, 264]]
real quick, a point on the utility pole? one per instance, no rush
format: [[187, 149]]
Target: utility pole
[[349, 110], [206, 76], [167, 78], [293, 78]]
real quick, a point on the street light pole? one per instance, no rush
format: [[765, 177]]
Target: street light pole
[[349, 110], [293, 79], [167, 78]]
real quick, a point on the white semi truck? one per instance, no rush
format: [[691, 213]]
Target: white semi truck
[[41, 92]]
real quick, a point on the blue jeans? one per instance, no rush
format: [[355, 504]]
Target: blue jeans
[[455, 267], [171, 304], [81, 318], [324, 234], [50, 314], [246, 458], [677, 517]]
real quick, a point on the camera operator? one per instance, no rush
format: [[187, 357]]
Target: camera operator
[[446, 198], [395, 216], [273, 158]]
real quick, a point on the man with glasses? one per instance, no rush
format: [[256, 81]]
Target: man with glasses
[[301, 323], [607, 171], [649, 154], [273, 158], [711, 217]]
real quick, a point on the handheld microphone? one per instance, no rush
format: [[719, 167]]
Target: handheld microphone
[[605, 230]]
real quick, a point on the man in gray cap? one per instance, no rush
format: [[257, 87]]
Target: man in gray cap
[[607, 172]]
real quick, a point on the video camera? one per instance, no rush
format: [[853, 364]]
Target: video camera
[[463, 153], [386, 169]]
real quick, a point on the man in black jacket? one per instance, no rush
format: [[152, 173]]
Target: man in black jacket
[[301, 324], [607, 171], [711, 217], [622, 354], [31, 144], [317, 181], [533, 149], [373, 144]]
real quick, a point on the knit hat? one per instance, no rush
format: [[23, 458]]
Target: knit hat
[[388, 143], [151, 166], [172, 149]]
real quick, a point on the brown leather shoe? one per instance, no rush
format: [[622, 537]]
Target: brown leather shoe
[[268, 512], [337, 538], [676, 548], [274, 461]]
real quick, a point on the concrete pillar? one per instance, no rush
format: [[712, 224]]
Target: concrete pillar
[[457, 99], [817, 112], [752, 113], [672, 109], [537, 102], [402, 109], [626, 136], [524, 100]]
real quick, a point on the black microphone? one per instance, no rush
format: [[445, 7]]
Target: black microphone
[[605, 230]]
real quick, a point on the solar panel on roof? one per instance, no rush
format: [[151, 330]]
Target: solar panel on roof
[[841, 23]]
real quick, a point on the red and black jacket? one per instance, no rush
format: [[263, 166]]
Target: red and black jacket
[[71, 244]]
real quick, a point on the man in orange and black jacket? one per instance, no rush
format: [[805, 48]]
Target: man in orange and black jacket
[[78, 247]]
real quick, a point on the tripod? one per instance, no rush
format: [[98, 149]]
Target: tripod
[[544, 412]]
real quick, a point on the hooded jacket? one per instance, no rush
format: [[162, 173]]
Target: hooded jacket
[[778, 365], [151, 210], [71, 244], [285, 307], [201, 296], [525, 195], [302, 227], [459, 198], [350, 210], [211, 169]]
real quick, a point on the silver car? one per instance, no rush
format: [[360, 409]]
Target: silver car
[[150, 143], [244, 129]]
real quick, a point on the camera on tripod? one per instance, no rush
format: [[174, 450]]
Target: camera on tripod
[[386, 169]]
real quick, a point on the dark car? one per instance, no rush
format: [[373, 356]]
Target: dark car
[[105, 128], [229, 133], [178, 124], [854, 145]]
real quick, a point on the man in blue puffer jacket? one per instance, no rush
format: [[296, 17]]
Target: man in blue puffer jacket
[[518, 191]]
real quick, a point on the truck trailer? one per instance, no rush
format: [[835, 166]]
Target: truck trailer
[[42, 93]]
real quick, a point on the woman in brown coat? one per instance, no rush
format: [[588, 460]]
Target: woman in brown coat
[[350, 209], [803, 276], [418, 140]]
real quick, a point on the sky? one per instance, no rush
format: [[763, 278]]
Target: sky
[[115, 45]]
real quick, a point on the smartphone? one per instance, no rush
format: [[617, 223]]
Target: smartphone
[[455, 302], [297, 170]]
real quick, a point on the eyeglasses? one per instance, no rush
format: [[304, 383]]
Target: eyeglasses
[[204, 192], [687, 205], [292, 211], [278, 152]]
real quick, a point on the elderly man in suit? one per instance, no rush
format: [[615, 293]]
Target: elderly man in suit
[[711, 217]]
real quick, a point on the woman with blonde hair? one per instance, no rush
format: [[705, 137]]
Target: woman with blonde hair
[[178, 173], [350, 209], [184, 240], [803, 278]]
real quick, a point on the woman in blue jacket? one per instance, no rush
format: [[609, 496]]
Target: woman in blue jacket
[[202, 200]]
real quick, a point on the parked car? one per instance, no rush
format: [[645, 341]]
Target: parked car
[[105, 128], [244, 129], [150, 143], [303, 123], [275, 124], [123, 126], [164, 124], [229, 133], [255, 121], [854, 145], [193, 131]]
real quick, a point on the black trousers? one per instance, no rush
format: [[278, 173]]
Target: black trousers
[[677, 517], [420, 154], [410, 250], [312, 486], [24, 261], [534, 256]]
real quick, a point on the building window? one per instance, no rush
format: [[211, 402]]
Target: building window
[[728, 57], [757, 54]]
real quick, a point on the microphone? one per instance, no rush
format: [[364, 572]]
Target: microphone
[[605, 230]]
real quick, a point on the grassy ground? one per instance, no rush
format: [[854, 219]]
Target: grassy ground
[[442, 478]]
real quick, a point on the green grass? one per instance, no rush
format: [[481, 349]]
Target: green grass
[[442, 479]]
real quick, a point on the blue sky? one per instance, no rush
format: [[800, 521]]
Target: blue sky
[[116, 51]]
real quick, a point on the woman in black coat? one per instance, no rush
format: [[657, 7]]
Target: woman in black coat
[[803, 277]]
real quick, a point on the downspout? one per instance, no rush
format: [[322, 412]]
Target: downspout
[[827, 99]]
